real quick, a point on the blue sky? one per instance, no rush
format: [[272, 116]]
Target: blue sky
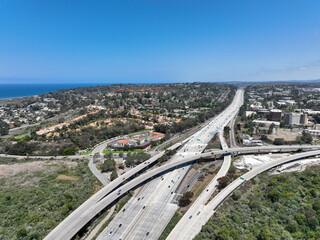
[[159, 40]]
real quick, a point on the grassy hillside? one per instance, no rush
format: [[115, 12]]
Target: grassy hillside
[[270, 207], [33, 202]]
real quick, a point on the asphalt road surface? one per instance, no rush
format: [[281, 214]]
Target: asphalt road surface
[[94, 205], [188, 228], [189, 219], [69, 227], [150, 222]]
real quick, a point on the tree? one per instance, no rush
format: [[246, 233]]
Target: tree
[[161, 128], [108, 165], [226, 131], [22, 232], [236, 195], [316, 206], [223, 181], [306, 137], [271, 127], [121, 166], [21, 148], [274, 195], [113, 175], [292, 227], [264, 234], [223, 233], [313, 222], [4, 128], [185, 200], [279, 141], [108, 155], [68, 151]]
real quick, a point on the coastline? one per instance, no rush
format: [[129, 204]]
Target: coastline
[[9, 92], [43, 88]]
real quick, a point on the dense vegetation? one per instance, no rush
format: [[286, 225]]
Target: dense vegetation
[[270, 207], [69, 143], [136, 158], [108, 165], [33, 203], [186, 105], [197, 119]]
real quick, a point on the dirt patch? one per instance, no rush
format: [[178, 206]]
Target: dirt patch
[[286, 134], [7, 170], [12, 169], [68, 178]]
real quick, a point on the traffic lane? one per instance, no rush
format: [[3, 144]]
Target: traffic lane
[[218, 200]]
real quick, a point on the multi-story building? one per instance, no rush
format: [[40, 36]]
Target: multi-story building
[[304, 119], [275, 115], [295, 119]]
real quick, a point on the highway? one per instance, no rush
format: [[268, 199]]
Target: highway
[[189, 219], [233, 142], [162, 200], [206, 211], [100, 194], [70, 226]]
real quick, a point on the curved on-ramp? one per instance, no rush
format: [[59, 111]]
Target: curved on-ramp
[[199, 220]]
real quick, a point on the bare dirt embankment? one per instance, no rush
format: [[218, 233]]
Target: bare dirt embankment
[[7, 170]]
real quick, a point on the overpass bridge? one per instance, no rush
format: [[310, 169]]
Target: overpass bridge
[[192, 226], [107, 195]]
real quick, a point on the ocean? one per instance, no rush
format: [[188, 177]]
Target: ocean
[[24, 90]]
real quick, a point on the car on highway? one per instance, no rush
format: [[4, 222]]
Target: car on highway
[[138, 199], [147, 233], [190, 217], [120, 224]]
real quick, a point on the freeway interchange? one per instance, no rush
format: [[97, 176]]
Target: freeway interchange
[[192, 226], [146, 218], [70, 228], [192, 148]]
